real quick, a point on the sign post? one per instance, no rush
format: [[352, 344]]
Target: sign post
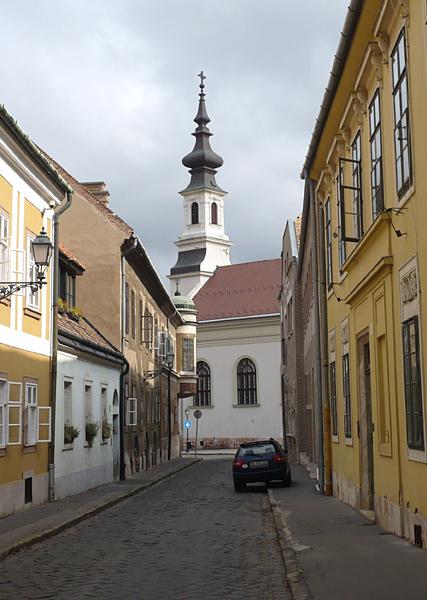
[[197, 414]]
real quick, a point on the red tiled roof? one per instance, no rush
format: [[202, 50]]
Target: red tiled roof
[[63, 250], [85, 331], [242, 290], [83, 191]]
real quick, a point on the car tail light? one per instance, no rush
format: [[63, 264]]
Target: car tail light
[[238, 463], [278, 458]]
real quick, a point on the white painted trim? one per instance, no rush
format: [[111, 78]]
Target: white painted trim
[[241, 318]]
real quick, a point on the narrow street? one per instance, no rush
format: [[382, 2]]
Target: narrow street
[[190, 538]]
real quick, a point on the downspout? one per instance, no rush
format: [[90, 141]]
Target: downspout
[[54, 341], [324, 354], [122, 469], [318, 408]]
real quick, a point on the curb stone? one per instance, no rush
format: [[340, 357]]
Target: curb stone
[[48, 533], [294, 578]]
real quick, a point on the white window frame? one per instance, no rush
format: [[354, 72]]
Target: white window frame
[[14, 415], [44, 418], [33, 298], [4, 247], [103, 403], [131, 411], [4, 397], [31, 414]]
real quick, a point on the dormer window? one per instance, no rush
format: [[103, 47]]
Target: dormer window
[[194, 213], [214, 213], [69, 269]]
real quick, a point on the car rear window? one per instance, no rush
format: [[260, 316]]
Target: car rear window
[[258, 450]]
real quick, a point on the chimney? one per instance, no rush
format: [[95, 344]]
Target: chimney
[[97, 189]]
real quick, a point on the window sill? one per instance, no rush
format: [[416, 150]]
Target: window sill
[[29, 449], [67, 447], [3, 452], [104, 443], [335, 439], [348, 441], [406, 196], [200, 406], [417, 455], [5, 301], [34, 313], [246, 405], [364, 240]]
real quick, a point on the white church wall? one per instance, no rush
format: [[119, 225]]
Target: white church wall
[[79, 467], [221, 345]]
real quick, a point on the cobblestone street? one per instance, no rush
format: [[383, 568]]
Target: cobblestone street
[[192, 537]]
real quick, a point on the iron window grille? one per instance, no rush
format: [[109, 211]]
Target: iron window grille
[[203, 397], [333, 398], [412, 382], [351, 218], [328, 232], [402, 137], [346, 395], [377, 191], [246, 382]]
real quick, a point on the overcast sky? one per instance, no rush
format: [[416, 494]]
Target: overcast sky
[[109, 89]]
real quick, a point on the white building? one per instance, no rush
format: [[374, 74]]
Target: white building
[[238, 341], [87, 425]]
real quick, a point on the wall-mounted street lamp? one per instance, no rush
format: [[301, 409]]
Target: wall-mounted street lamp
[[41, 248]]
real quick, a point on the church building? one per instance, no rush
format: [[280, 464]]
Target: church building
[[238, 341]]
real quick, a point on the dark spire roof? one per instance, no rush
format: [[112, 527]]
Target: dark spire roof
[[202, 160]]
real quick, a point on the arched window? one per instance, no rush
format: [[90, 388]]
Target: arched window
[[246, 382], [203, 397], [194, 213], [214, 213]]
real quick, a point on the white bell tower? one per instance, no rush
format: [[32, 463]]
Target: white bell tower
[[203, 246]]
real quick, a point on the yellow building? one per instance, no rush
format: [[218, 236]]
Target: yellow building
[[367, 168], [30, 194]]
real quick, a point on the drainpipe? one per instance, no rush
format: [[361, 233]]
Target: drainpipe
[[324, 354], [318, 408], [54, 341], [122, 349]]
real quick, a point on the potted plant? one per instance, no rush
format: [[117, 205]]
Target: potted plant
[[106, 429], [75, 313], [70, 433], [62, 306], [91, 429]]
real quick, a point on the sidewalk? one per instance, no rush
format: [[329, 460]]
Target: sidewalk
[[339, 554], [35, 524]]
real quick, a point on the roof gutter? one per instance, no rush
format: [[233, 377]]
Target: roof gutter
[[350, 24]]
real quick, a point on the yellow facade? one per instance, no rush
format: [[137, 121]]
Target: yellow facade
[[28, 197], [374, 299]]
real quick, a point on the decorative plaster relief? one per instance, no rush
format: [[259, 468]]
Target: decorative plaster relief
[[332, 342], [409, 287], [383, 41], [345, 332]]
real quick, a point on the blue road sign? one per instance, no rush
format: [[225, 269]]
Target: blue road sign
[[187, 424]]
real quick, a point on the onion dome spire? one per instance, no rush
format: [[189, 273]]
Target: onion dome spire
[[202, 160]]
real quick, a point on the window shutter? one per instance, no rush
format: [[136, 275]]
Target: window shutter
[[44, 424], [14, 414]]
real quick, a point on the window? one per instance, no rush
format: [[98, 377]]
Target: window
[[333, 397], [214, 213], [141, 331], [131, 411], [328, 237], [290, 317], [402, 132], [126, 309], [377, 192], [33, 297], [156, 334], [133, 313], [342, 248], [3, 412], [194, 213], [357, 187], [31, 414], [188, 354], [104, 403], [412, 381], [346, 395], [246, 382], [4, 247], [68, 404], [203, 397], [88, 407], [67, 287]]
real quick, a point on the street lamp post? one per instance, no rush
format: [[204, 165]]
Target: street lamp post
[[170, 357], [41, 248]]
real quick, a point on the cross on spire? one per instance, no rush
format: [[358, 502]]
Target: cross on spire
[[202, 78]]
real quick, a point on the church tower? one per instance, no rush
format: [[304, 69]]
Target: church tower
[[203, 246]]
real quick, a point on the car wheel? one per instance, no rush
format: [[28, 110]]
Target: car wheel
[[239, 486], [288, 479]]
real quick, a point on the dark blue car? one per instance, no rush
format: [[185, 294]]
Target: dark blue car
[[260, 461]]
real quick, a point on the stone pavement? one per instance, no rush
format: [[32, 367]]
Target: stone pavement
[[341, 555], [191, 538], [30, 526]]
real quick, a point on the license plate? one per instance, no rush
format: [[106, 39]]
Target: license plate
[[259, 463]]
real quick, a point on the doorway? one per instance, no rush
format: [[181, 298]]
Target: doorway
[[365, 426]]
